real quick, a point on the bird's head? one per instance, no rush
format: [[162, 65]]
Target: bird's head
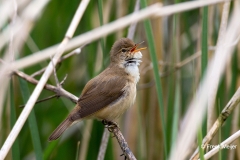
[[125, 51]]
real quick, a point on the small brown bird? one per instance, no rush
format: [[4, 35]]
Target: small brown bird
[[112, 92]]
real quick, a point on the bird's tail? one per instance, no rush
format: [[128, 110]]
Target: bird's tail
[[60, 129]]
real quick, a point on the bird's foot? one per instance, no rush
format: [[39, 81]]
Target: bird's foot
[[125, 157], [110, 125]]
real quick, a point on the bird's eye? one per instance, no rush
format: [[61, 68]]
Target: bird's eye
[[124, 50]]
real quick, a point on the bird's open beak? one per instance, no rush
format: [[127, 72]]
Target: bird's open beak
[[134, 49]]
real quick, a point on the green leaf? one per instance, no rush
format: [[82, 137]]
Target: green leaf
[[15, 147], [150, 39], [32, 122]]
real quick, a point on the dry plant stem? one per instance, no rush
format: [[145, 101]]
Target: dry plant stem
[[76, 51], [55, 76], [113, 128], [238, 150], [164, 74], [234, 128], [182, 63], [188, 60], [7, 10], [103, 147], [85, 140], [39, 72], [9, 56], [219, 122], [42, 100], [26, 19], [132, 28], [59, 91], [197, 107], [64, 79], [155, 10], [33, 98], [176, 66], [228, 141], [222, 34]]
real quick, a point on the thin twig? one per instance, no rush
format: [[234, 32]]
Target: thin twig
[[234, 101], [146, 85], [55, 75], [59, 91], [64, 79], [42, 100], [188, 60], [76, 51], [39, 72], [182, 63], [175, 66], [162, 75]]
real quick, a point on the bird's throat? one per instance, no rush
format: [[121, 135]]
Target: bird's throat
[[131, 66], [133, 71]]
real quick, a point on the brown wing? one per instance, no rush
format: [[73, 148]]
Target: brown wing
[[102, 92]]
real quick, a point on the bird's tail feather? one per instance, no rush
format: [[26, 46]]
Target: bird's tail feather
[[60, 129]]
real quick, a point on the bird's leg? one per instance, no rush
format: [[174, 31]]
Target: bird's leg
[[110, 125], [104, 122], [124, 156]]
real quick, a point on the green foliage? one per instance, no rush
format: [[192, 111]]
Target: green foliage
[[32, 122], [15, 147]]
